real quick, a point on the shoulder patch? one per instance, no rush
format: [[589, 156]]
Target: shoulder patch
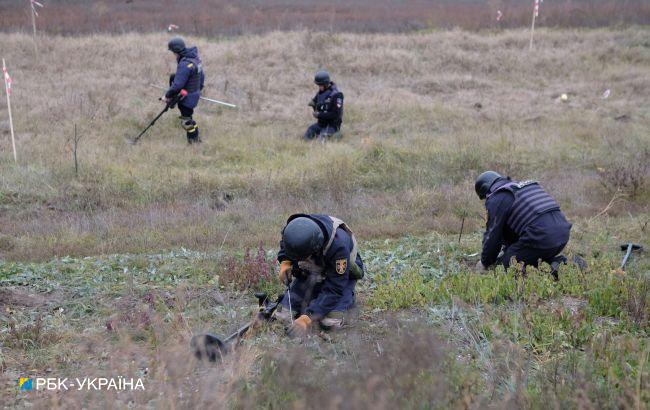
[[341, 266]]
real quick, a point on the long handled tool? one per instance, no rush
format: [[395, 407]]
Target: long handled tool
[[289, 300], [212, 347], [170, 104], [628, 248], [203, 98]]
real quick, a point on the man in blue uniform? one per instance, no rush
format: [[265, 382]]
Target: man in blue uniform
[[327, 106], [189, 77], [524, 219], [318, 256]]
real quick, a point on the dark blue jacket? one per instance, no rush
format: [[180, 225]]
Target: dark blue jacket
[[189, 76], [334, 283], [329, 107], [547, 231]]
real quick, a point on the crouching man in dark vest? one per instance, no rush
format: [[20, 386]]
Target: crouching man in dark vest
[[524, 219], [319, 258], [328, 108]]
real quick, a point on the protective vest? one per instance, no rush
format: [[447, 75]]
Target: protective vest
[[323, 103], [530, 202], [194, 80], [355, 270], [337, 223]]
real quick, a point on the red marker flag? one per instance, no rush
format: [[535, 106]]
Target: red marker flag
[[532, 26], [537, 3], [7, 80]]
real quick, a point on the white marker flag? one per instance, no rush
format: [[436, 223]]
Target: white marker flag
[[35, 4]]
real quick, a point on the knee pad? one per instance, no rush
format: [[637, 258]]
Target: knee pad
[[189, 125]]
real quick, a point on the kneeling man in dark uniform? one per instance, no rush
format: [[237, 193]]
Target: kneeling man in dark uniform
[[328, 108], [524, 220], [319, 259]]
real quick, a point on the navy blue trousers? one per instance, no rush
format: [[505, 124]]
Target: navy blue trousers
[[531, 256], [315, 131], [305, 289]]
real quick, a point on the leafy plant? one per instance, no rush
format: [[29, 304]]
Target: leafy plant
[[253, 270]]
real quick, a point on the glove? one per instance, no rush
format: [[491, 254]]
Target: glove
[[285, 272], [314, 114], [312, 104], [480, 268], [300, 327]]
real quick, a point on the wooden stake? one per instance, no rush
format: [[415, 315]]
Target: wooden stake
[[34, 26], [462, 224], [11, 121], [76, 144], [532, 29]]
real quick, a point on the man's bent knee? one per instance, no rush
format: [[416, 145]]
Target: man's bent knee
[[333, 320], [312, 132]]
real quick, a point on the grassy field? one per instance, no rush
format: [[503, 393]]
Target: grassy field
[[109, 271]]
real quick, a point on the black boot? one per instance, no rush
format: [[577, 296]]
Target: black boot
[[192, 131], [555, 265], [581, 263], [193, 137]]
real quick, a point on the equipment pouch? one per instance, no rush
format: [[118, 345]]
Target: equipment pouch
[[355, 271]]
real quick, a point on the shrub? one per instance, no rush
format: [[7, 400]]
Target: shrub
[[252, 271], [627, 170], [33, 334]]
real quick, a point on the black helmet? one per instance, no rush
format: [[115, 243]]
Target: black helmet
[[176, 45], [302, 237], [322, 78], [484, 182]]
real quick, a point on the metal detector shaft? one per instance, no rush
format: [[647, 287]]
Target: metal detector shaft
[[201, 97], [627, 256], [628, 248], [289, 300], [239, 333], [134, 140]]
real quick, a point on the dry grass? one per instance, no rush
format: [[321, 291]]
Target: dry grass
[[413, 138]]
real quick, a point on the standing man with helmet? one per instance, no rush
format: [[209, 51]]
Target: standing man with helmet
[[190, 78], [319, 259], [327, 106], [523, 218]]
